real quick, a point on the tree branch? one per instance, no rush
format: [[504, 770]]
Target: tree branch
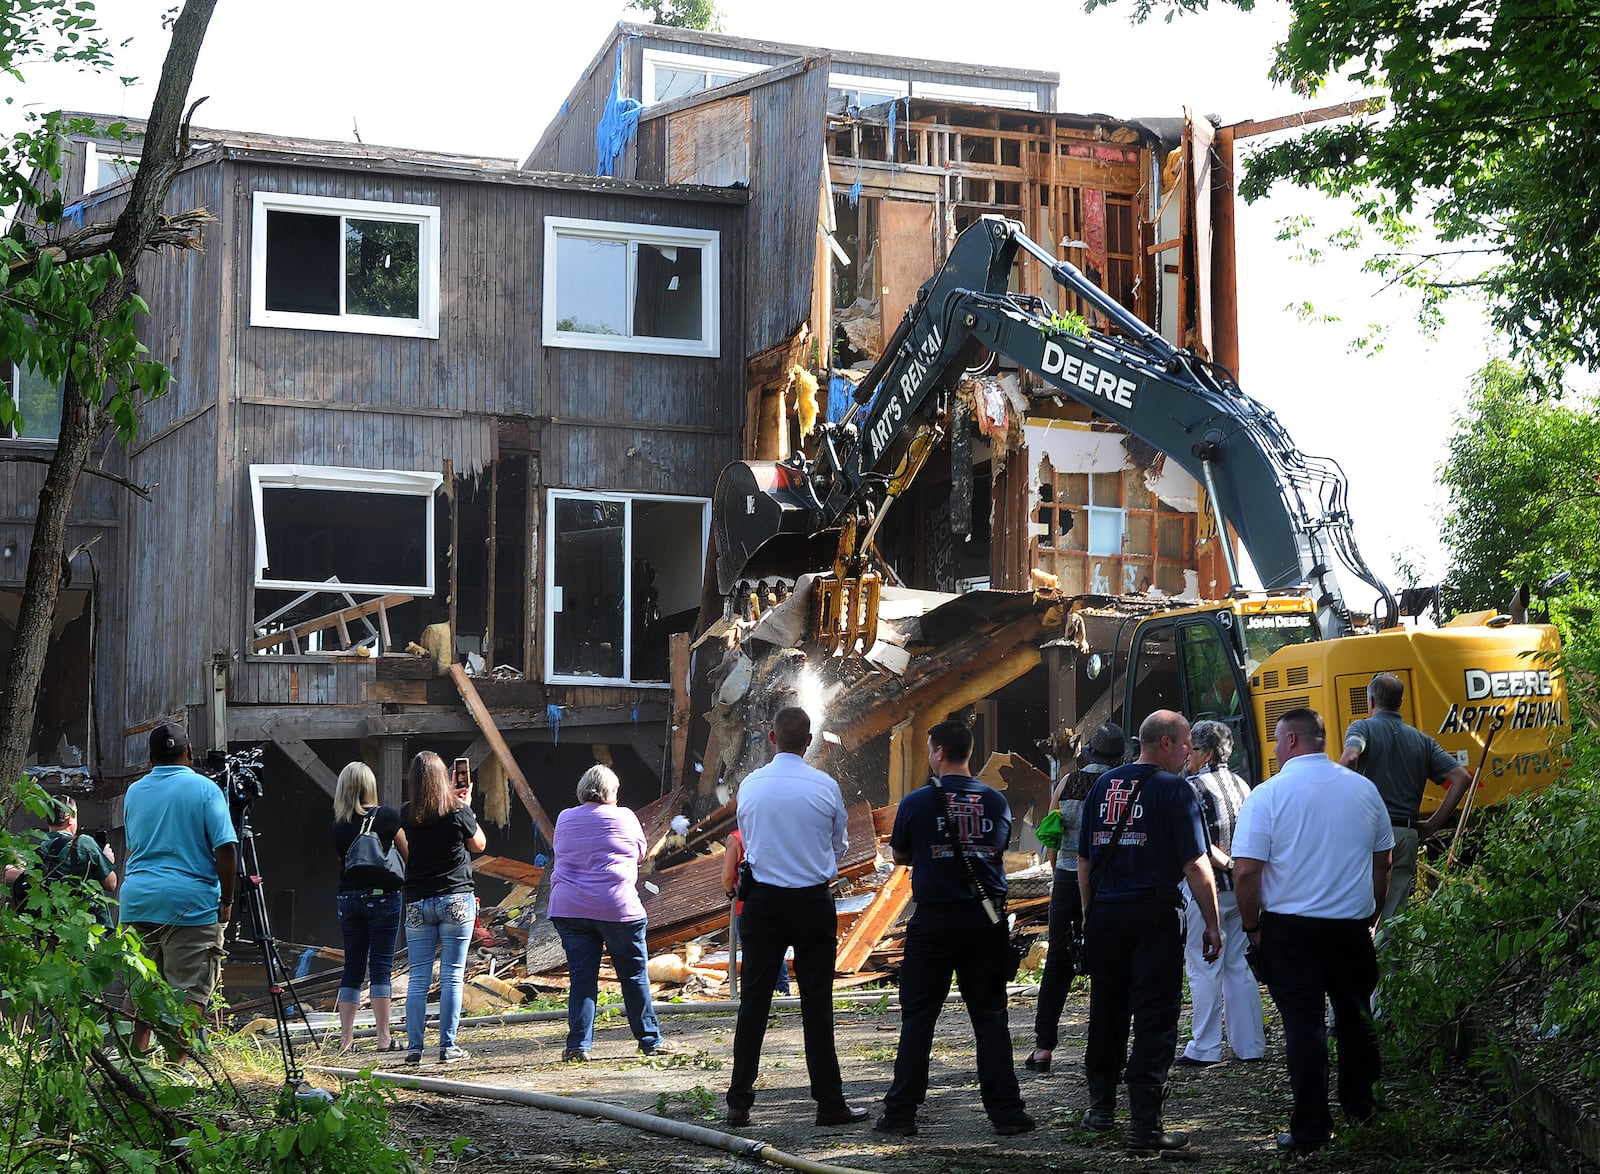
[[180, 230], [36, 459]]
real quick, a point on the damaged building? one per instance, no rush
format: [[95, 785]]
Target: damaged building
[[436, 467]]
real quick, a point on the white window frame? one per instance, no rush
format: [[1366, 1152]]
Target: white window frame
[[655, 58], [552, 593], [976, 95], [425, 216], [14, 392], [890, 89], [334, 477], [94, 155], [707, 240]]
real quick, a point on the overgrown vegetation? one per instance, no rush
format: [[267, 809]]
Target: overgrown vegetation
[[76, 1097]]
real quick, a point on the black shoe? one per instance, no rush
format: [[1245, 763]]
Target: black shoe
[[1034, 1064], [413, 1057], [899, 1126], [574, 1056], [737, 1118], [1287, 1144], [1011, 1126], [841, 1115], [1191, 1062]]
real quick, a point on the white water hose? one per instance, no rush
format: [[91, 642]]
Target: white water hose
[[744, 1147]]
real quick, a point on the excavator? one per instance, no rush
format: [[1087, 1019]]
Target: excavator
[[1486, 687]]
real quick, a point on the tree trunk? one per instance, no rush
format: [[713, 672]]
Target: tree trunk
[[82, 422]]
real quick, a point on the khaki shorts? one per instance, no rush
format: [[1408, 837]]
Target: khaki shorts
[[189, 957]]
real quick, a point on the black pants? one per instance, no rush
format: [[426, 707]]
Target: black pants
[[1312, 961], [943, 940], [775, 919], [1066, 922], [1135, 955]]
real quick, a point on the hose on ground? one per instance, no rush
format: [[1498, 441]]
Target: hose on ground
[[743, 1147]]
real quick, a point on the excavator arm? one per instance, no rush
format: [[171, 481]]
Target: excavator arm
[[1289, 509]]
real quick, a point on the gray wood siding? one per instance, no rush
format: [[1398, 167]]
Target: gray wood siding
[[567, 144], [787, 123]]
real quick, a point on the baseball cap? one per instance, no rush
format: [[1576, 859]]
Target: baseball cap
[[168, 740]]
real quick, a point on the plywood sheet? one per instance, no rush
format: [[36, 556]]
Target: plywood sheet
[[710, 144], [905, 249]]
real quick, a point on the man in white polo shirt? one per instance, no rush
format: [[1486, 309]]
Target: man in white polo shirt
[[792, 820], [1311, 854]]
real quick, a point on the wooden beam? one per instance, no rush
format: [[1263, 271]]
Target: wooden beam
[[334, 619], [678, 657], [506, 869], [1359, 106], [480, 714], [875, 921], [306, 759], [1224, 259]]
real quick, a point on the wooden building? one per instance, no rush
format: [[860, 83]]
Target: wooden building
[[426, 399]]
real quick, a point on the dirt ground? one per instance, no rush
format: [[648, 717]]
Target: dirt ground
[[1232, 1110]]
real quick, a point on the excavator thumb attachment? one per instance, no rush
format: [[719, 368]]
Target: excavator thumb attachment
[[844, 612]]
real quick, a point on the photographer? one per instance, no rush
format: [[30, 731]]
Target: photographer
[[182, 864]]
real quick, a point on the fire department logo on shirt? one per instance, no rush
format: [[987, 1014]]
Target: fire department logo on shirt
[[1118, 794]]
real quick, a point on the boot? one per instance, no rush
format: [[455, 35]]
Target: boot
[[1145, 1132], [1101, 1115]]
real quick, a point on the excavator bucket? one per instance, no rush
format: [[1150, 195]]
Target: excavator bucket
[[766, 523]]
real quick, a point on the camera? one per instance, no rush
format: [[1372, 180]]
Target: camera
[[238, 774]]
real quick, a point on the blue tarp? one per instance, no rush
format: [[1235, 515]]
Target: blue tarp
[[618, 124]]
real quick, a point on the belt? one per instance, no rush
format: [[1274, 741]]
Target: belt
[[1402, 822]]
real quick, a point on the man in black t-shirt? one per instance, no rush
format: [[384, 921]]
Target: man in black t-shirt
[[953, 833], [1142, 833]]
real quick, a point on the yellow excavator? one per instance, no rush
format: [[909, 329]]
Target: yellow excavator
[[1485, 687]]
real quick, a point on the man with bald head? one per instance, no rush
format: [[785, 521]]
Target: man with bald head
[[1142, 834]]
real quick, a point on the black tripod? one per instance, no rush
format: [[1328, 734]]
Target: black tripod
[[241, 780]]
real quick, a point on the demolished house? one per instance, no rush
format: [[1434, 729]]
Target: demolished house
[[448, 485]]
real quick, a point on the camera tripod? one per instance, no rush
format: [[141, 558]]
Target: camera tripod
[[241, 781]]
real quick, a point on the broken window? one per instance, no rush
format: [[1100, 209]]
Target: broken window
[[633, 287], [975, 95], [61, 733], [351, 265], [677, 75], [363, 530], [848, 91], [624, 574], [38, 400], [1107, 522]]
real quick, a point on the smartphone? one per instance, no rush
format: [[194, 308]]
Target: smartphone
[[463, 773]]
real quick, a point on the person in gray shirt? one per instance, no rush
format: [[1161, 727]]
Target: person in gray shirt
[[1107, 747], [1400, 760]]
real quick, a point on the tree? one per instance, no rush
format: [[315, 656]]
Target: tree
[[1523, 478], [681, 14], [68, 306], [1491, 132]]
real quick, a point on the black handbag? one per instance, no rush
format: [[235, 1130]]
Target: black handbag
[[368, 865]]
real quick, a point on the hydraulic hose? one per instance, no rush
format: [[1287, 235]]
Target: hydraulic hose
[[743, 1147]]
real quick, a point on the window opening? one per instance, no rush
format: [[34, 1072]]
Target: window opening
[[39, 402], [625, 573], [345, 265], [630, 287]]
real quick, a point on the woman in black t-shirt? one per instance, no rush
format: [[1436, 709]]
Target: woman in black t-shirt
[[369, 917], [440, 905]]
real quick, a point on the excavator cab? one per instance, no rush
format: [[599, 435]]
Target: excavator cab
[[1201, 662]]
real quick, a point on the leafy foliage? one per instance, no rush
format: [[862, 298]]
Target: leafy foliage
[[1523, 477], [1491, 132], [77, 1098], [681, 14]]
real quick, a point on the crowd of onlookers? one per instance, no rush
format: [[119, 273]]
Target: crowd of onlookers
[[1166, 865]]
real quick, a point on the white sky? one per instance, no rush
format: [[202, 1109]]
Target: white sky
[[485, 76]]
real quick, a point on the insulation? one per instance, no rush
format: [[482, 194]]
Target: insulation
[[496, 792], [805, 385]]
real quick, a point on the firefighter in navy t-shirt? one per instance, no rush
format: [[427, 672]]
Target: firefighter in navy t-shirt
[[1133, 925]]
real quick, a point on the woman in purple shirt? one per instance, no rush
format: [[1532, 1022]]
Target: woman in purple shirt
[[593, 903]]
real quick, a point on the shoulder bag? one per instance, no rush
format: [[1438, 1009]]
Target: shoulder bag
[[368, 865], [1017, 945]]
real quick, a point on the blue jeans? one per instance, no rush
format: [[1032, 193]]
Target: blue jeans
[[443, 924], [582, 938], [371, 925]]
